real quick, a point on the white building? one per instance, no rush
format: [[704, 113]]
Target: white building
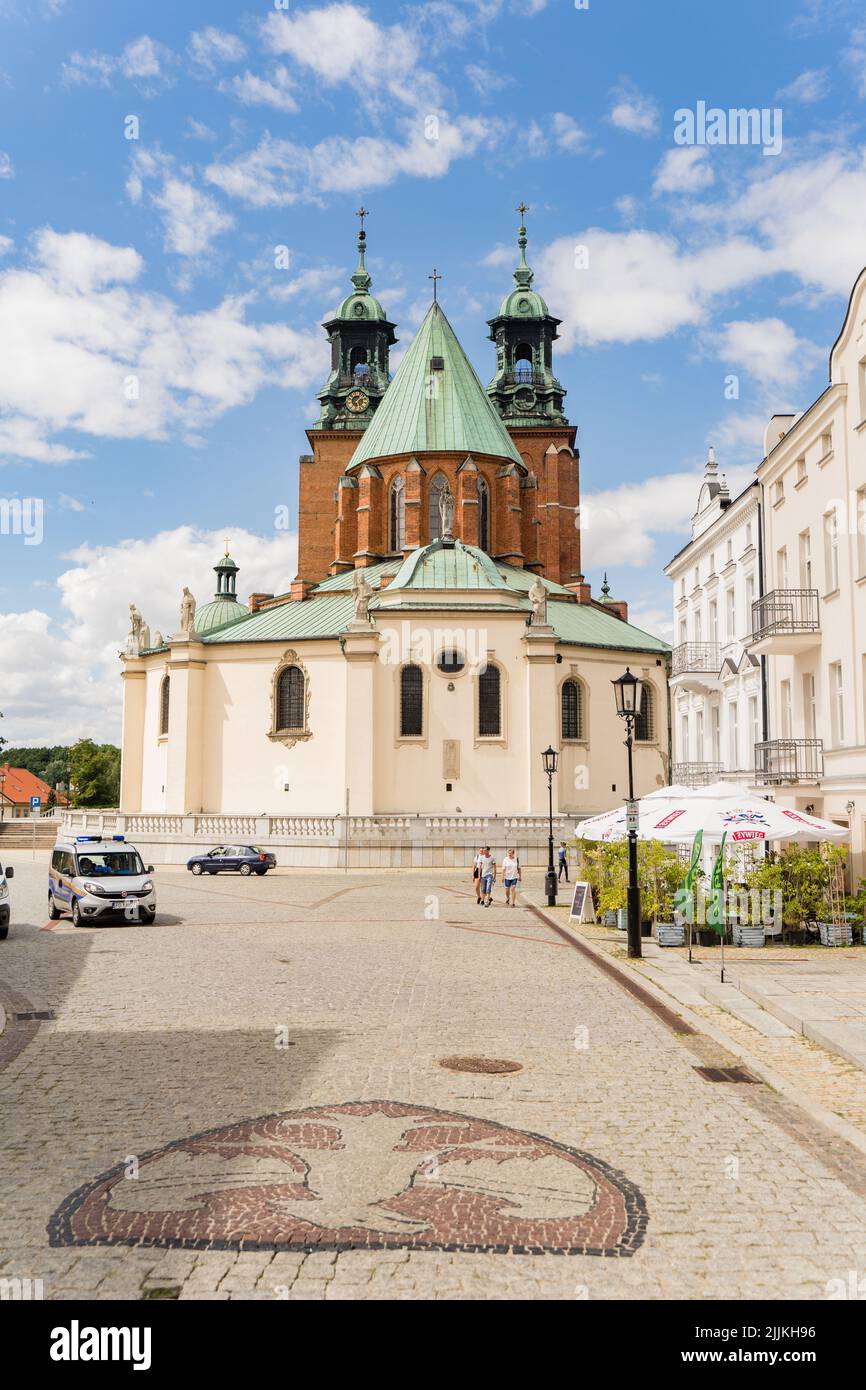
[[792, 549], [717, 711]]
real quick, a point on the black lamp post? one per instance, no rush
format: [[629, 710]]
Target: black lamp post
[[550, 758], [629, 693]]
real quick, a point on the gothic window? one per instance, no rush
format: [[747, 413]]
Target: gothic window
[[490, 703], [523, 362], [572, 710], [411, 702], [396, 516], [645, 720], [483, 514], [164, 693], [291, 703], [434, 520]]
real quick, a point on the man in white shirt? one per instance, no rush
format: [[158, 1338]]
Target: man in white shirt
[[488, 876]]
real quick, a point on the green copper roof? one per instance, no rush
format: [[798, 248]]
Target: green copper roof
[[583, 625], [435, 409], [442, 566], [344, 581], [218, 612], [314, 617]]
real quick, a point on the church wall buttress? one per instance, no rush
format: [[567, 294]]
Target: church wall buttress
[[318, 481]]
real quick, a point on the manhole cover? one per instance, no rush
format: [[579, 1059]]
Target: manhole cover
[[485, 1064]]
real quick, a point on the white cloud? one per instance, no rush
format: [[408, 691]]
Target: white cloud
[[632, 110], [62, 680], [197, 130], [144, 61], [276, 90], [69, 504], [84, 350], [811, 85], [684, 170], [638, 284], [340, 43], [320, 280], [6, 245], [210, 47], [279, 172], [7, 170], [192, 218], [662, 505], [485, 79], [768, 349], [855, 57], [568, 135]]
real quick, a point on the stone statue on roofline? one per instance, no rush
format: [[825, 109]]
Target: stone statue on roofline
[[362, 592], [133, 640], [538, 599], [187, 611], [446, 513]]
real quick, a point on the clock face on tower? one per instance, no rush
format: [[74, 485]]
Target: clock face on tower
[[357, 402]]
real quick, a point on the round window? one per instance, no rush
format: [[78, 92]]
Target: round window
[[451, 661]]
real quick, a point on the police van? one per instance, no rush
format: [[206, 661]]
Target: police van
[[5, 875], [94, 878]]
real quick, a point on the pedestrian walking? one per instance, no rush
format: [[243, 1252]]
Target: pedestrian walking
[[563, 860], [511, 876], [488, 875], [476, 874]]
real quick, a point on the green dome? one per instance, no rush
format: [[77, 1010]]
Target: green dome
[[360, 306], [219, 612], [441, 565], [523, 303]]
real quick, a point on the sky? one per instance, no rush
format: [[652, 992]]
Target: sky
[[178, 187]]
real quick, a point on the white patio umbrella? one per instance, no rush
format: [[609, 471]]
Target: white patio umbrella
[[676, 813]]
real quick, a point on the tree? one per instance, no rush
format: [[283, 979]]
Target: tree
[[605, 867], [95, 773], [802, 875]]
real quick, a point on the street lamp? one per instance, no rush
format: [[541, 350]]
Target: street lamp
[[550, 758], [629, 693]]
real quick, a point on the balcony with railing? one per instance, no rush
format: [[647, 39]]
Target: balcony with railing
[[785, 622], [697, 774], [781, 760], [695, 666]]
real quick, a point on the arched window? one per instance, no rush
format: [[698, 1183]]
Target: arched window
[[396, 516], [434, 520], [490, 703], [523, 362], [290, 703], [358, 361], [411, 702], [645, 720], [483, 514], [572, 710], [164, 694]]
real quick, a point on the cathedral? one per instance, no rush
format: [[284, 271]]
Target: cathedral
[[439, 633]]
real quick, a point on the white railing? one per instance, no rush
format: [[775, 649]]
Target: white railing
[[154, 825], [225, 827]]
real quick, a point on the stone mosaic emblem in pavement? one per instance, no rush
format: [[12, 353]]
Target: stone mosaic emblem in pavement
[[369, 1174]]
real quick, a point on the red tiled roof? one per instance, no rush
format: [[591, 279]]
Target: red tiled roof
[[20, 785]]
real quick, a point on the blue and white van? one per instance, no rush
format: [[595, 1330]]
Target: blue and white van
[[92, 879], [5, 908]]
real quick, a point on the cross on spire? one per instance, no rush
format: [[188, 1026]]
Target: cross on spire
[[362, 213], [435, 277], [226, 543], [521, 208]]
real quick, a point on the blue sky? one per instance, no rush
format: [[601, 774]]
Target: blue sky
[[265, 126]]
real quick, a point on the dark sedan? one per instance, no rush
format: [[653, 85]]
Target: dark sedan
[[237, 859]]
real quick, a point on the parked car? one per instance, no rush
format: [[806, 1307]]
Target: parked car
[[94, 878], [5, 875], [238, 859]]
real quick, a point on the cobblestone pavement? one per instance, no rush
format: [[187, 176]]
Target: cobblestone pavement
[[263, 1065]]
